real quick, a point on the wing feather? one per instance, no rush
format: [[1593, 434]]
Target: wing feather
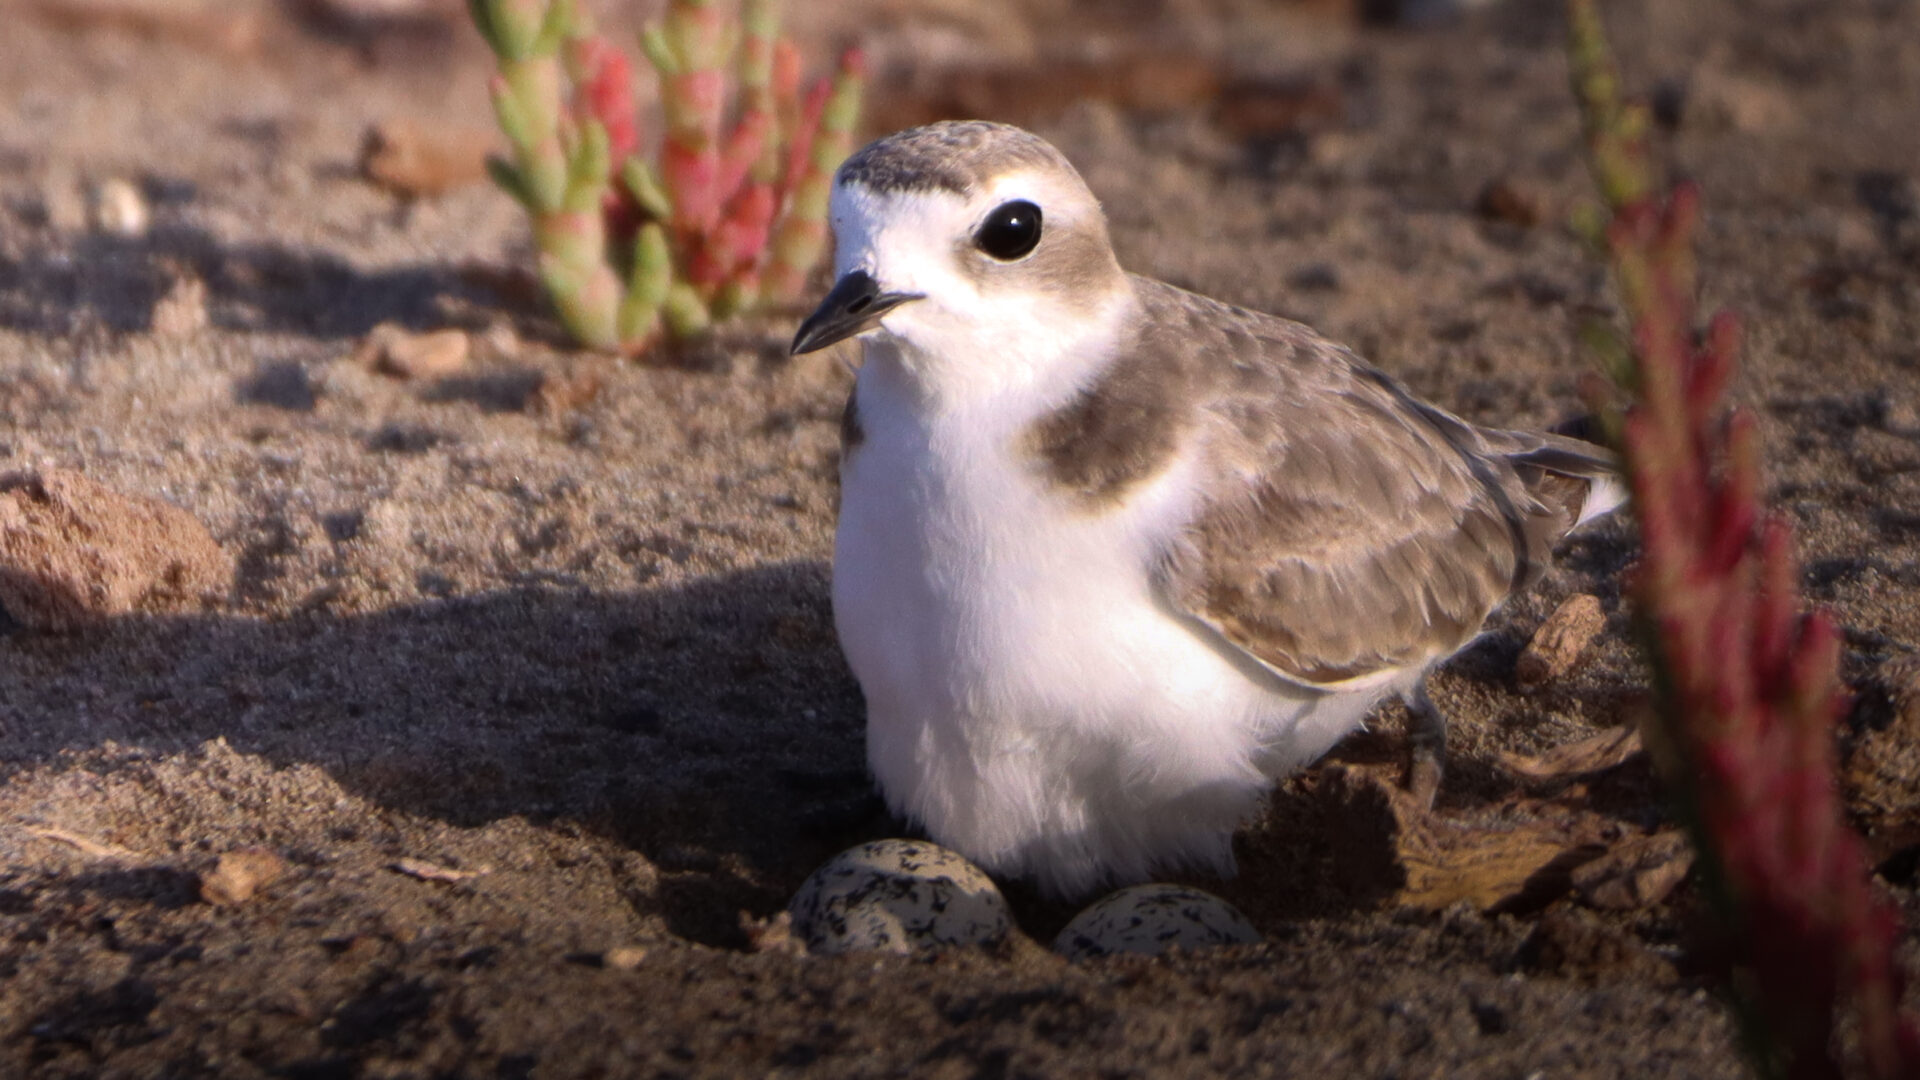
[[1348, 531]]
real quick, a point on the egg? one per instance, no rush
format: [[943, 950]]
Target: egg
[[1152, 919], [898, 896]]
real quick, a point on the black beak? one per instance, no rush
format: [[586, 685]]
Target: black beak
[[855, 304]]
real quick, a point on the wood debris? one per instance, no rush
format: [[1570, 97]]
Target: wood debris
[[1561, 643], [1521, 856], [1597, 753], [91, 848], [1637, 873], [426, 871]]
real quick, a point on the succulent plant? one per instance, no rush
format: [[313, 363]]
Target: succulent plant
[[728, 216], [1749, 684]]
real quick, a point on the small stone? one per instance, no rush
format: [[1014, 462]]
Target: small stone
[[1152, 919], [400, 352], [624, 958], [1561, 642], [414, 161], [240, 874], [1509, 200], [118, 209], [898, 896]]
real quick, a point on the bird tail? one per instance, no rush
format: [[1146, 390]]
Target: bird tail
[[1578, 477]]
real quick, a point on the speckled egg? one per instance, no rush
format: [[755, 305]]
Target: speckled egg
[[1152, 919], [899, 896]]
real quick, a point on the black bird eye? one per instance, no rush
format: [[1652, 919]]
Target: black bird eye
[[1010, 232]]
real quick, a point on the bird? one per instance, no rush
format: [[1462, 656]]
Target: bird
[[1112, 557]]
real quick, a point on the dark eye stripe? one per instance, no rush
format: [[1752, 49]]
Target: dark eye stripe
[[1010, 232]]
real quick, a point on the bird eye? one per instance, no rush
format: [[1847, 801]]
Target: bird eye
[[1010, 232]]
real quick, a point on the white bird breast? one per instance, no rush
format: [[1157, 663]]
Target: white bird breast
[[1029, 699]]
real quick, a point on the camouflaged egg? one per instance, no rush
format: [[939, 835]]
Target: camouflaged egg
[[1152, 919], [899, 896]]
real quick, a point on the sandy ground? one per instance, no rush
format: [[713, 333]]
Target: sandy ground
[[578, 643]]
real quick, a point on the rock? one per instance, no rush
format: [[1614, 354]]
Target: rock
[[117, 208], [1512, 201], [898, 896], [1152, 919], [413, 161], [1561, 643], [240, 874], [74, 552], [398, 351]]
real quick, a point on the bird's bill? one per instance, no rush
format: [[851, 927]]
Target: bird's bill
[[854, 305]]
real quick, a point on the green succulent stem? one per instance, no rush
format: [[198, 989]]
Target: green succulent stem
[[635, 248]]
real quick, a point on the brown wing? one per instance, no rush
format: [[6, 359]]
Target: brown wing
[[1350, 530]]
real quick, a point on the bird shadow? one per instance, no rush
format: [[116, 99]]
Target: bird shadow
[[711, 726]]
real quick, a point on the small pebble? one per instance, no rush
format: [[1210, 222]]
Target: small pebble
[[625, 958], [119, 209], [1152, 919], [240, 874], [898, 896], [400, 352]]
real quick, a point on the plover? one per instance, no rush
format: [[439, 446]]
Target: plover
[[1113, 556]]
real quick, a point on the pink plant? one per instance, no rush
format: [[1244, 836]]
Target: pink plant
[[1750, 688], [728, 218]]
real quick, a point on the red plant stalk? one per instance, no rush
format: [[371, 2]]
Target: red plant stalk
[[1750, 687]]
